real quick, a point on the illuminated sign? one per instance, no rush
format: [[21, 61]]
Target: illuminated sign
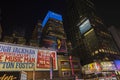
[[9, 75], [61, 45], [85, 26], [117, 64], [53, 15], [50, 42], [92, 68], [43, 59], [15, 58], [107, 66]]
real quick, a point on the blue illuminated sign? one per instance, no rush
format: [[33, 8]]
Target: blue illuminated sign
[[117, 64], [51, 14]]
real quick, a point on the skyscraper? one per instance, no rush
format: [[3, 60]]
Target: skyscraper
[[89, 36], [53, 36], [0, 25], [116, 35], [36, 35]]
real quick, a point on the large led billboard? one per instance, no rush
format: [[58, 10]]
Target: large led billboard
[[53, 15], [92, 68], [61, 45], [50, 42], [108, 66], [85, 26], [117, 64]]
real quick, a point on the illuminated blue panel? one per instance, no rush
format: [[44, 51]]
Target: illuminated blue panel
[[117, 64], [53, 15], [85, 26]]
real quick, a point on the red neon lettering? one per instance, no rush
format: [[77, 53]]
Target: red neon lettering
[[26, 59], [13, 59]]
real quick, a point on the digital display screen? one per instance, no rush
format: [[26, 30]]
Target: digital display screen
[[85, 26], [117, 64]]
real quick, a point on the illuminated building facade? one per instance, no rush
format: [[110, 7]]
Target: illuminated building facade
[[86, 28], [36, 34], [89, 36], [53, 36]]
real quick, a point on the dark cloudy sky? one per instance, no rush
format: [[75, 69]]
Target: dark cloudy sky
[[23, 14]]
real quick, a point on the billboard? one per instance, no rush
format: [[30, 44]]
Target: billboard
[[85, 26], [108, 66], [117, 64], [92, 68], [43, 60], [61, 45], [20, 58], [50, 42], [16, 58]]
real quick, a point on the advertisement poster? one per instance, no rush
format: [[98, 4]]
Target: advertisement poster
[[92, 68], [50, 42], [43, 59], [15, 58], [61, 45], [9, 75]]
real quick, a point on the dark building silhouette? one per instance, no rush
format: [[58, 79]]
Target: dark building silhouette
[[1, 26], [36, 34], [90, 39], [116, 35]]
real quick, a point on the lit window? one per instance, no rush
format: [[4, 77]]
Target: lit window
[[93, 54], [103, 50], [96, 52], [100, 50]]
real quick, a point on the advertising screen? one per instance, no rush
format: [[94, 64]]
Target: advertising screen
[[50, 42], [108, 66], [117, 64], [92, 68], [85, 26], [61, 45]]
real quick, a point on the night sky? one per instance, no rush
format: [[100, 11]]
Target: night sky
[[109, 11], [23, 14]]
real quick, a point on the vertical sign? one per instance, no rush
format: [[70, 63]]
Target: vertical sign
[[71, 65], [51, 68]]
